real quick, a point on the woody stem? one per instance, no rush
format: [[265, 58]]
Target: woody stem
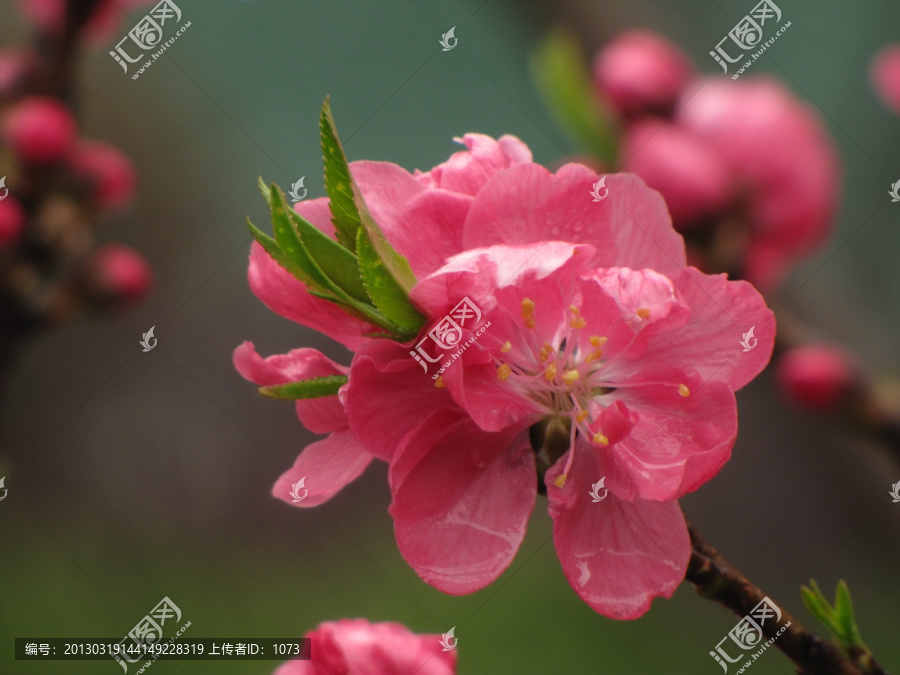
[[716, 579]]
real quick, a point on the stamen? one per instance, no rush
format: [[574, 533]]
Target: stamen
[[597, 341], [528, 312], [570, 377], [439, 382], [593, 356], [683, 390], [503, 372], [600, 439], [643, 313], [581, 416], [560, 480], [550, 373], [507, 346], [545, 351], [578, 322]]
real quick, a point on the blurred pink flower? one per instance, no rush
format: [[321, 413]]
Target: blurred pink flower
[[816, 376], [12, 221], [621, 341], [117, 273], [885, 76], [40, 130], [743, 156], [110, 172], [640, 73], [357, 647]]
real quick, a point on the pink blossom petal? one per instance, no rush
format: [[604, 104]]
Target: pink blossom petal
[[460, 513], [682, 437], [885, 76], [284, 294], [617, 555], [320, 415], [327, 466], [527, 204], [466, 172]]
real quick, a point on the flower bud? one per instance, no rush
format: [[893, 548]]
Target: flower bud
[[118, 274], [640, 72], [40, 130], [12, 221], [15, 65], [816, 376], [885, 76], [110, 172]]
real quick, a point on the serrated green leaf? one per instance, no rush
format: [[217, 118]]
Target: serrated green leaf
[[389, 298], [266, 192], [337, 263], [315, 387], [558, 67], [349, 212], [338, 181], [274, 250]]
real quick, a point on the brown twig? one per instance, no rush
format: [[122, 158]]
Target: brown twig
[[716, 579]]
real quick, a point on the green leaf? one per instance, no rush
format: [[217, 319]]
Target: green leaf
[[558, 67], [386, 293], [336, 262], [272, 248], [312, 388], [349, 212], [839, 619], [338, 181], [266, 192]]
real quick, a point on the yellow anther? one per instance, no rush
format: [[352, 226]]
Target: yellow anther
[[506, 347], [578, 322], [597, 341], [570, 377], [528, 312], [550, 373], [594, 355], [560, 480], [683, 390], [503, 372], [600, 439], [581, 416], [545, 351], [644, 313], [439, 382], [574, 309]]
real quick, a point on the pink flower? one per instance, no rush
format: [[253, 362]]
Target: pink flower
[[632, 354], [117, 273], [108, 170], [40, 130], [818, 377], [640, 72], [357, 647], [885, 76], [325, 466], [12, 221]]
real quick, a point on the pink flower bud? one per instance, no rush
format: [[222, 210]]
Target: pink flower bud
[[111, 172], [12, 221], [885, 76], [640, 72], [691, 175], [118, 273], [40, 130], [816, 376], [15, 64]]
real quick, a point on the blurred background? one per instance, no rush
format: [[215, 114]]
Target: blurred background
[[134, 476]]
